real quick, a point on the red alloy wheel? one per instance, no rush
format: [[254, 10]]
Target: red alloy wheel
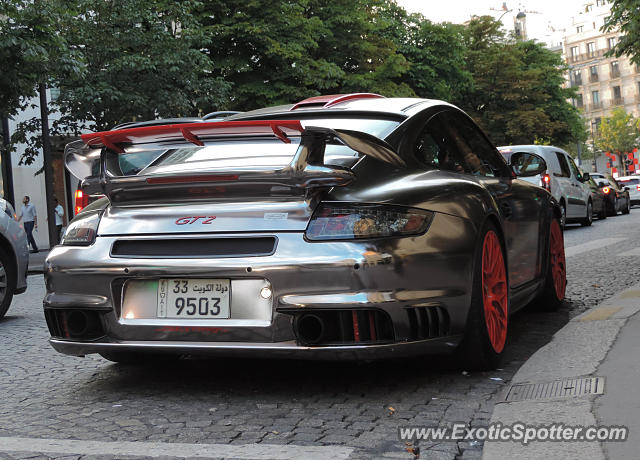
[[558, 265], [494, 291]]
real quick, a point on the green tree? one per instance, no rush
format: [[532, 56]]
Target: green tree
[[31, 50], [516, 93], [625, 16], [618, 133], [279, 52], [435, 52]]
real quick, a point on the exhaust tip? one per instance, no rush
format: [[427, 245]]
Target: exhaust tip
[[77, 323], [310, 328]]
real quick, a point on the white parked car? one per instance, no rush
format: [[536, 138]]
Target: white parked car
[[633, 182], [562, 178]]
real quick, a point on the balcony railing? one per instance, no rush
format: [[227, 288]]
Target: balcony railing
[[595, 106], [593, 77], [616, 101], [586, 56]]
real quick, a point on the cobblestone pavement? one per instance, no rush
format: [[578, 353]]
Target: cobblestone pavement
[[48, 395]]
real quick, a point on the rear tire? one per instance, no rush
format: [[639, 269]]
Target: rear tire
[[487, 322], [8, 278], [603, 212], [588, 220], [627, 208], [555, 285]]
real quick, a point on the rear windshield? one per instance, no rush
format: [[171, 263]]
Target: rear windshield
[[246, 153], [631, 181]]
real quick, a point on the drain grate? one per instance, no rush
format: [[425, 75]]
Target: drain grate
[[559, 389]]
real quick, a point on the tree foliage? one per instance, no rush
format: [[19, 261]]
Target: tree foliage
[[517, 93], [618, 133], [625, 16], [126, 60]]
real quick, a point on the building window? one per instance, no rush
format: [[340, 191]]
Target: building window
[[588, 8], [593, 73], [579, 100], [612, 42], [575, 54], [615, 69], [577, 77], [595, 99], [579, 29], [591, 49], [600, 2], [617, 96]]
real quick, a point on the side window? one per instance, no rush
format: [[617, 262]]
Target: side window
[[564, 166], [435, 149], [574, 169], [481, 158]]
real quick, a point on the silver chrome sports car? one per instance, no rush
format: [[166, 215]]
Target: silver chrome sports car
[[341, 226]]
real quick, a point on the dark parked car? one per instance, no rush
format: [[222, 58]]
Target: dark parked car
[[616, 196], [598, 198], [341, 226]]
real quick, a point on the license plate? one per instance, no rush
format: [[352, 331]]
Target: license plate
[[193, 298]]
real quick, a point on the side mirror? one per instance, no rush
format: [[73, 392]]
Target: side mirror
[[525, 164]]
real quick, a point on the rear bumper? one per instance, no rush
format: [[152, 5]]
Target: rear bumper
[[411, 281], [281, 350]]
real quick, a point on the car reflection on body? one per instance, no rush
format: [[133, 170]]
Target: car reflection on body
[[346, 226]]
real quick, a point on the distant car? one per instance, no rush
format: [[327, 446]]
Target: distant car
[[633, 182], [598, 198], [563, 179], [340, 226], [617, 197], [14, 257]]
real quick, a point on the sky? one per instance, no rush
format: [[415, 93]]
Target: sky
[[555, 13]]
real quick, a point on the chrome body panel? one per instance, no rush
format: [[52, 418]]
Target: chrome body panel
[[399, 277]]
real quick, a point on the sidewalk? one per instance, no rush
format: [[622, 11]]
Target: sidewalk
[[36, 261], [601, 343]]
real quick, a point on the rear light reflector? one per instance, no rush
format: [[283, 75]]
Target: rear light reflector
[[546, 181], [82, 200]]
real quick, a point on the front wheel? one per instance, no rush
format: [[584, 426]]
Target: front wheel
[[627, 208], [556, 277], [487, 321], [603, 210]]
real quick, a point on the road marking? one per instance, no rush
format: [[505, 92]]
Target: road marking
[[590, 246], [601, 313], [631, 252], [173, 449]]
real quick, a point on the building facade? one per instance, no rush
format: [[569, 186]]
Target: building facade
[[603, 83]]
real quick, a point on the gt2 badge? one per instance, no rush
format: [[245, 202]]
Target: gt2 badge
[[205, 220]]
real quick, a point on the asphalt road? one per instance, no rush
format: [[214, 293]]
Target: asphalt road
[[313, 410]]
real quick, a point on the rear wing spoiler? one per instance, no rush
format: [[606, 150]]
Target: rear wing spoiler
[[94, 158]]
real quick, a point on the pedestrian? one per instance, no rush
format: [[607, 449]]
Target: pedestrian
[[59, 212], [30, 219]]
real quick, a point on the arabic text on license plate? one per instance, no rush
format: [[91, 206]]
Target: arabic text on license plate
[[193, 298]]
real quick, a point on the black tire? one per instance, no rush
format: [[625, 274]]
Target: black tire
[[612, 210], [563, 214], [476, 351], [627, 208], [603, 212], [588, 220], [549, 299], [136, 358], [8, 279]]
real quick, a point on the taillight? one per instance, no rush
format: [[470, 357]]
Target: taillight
[[82, 200], [82, 230], [546, 181], [606, 190], [353, 221], [638, 187]]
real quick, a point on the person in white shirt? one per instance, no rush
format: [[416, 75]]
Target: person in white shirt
[[59, 212], [30, 219]]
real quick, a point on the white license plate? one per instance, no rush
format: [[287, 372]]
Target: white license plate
[[194, 298]]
